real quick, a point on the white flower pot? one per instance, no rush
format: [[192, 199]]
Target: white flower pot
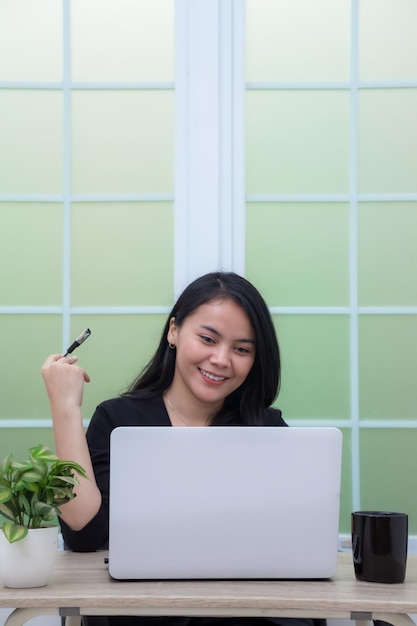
[[30, 561]]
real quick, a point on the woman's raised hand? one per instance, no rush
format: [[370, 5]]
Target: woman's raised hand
[[64, 382]]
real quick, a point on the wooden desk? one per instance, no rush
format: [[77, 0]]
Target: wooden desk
[[81, 586]]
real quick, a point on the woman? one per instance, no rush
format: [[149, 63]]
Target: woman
[[217, 363]]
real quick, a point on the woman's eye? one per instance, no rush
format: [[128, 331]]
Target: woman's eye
[[206, 339], [242, 350]]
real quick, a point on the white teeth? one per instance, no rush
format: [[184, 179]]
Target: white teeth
[[212, 377]]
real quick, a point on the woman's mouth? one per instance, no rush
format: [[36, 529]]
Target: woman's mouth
[[212, 377]]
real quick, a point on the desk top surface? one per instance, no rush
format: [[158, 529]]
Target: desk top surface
[[82, 580]]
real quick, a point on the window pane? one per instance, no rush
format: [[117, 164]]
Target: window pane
[[387, 366], [388, 470], [387, 252], [123, 142], [297, 254], [26, 341], [31, 141], [290, 40], [387, 143], [32, 265], [31, 40], [127, 243], [387, 40], [297, 142], [121, 41], [315, 366]]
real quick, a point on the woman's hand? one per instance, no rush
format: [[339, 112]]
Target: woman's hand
[[64, 382]]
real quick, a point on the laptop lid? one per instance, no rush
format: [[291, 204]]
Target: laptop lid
[[224, 502]]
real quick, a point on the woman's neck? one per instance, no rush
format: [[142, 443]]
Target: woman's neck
[[183, 412]]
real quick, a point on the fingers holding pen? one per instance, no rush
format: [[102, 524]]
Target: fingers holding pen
[[62, 361], [72, 360], [64, 380], [58, 359]]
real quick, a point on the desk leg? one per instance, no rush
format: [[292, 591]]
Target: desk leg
[[397, 619], [75, 620], [19, 617], [368, 619]]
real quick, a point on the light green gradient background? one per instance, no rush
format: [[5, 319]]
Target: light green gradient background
[[112, 252], [298, 253], [122, 141], [30, 253], [31, 146], [134, 240], [303, 254], [298, 141], [315, 364]]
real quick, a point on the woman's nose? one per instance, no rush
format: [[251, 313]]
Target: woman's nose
[[220, 356]]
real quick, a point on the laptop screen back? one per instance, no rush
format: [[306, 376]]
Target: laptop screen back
[[224, 502]]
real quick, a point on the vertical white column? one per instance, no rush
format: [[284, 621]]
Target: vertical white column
[[209, 186]]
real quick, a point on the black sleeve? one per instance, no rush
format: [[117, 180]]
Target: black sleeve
[[273, 417]]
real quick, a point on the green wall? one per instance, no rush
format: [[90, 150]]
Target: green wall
[[86, 197], [331, 222], [87, 127]]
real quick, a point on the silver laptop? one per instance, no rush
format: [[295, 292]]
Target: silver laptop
[[224, 502]]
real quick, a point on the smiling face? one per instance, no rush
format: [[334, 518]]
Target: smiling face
[[215, 351]]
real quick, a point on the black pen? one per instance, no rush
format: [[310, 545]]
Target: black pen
[[78, 341]]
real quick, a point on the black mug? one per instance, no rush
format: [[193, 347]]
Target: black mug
[[379, 546]]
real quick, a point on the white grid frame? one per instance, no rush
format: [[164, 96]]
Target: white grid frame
[[353, 198], [67, 198], [221, 24]]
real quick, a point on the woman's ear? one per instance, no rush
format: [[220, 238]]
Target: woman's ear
[[172, 332]]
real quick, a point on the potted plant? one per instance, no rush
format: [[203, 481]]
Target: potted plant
[[31, 494]]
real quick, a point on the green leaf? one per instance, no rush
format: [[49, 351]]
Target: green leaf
[[21, 466], [44, 510], [7, 512], [32, 475], [60, 487], [43, 454], [66, 468], [14, 532], [30, 488], [60, 481], [41, 467], [22, 485], [6, 464], [5, 493], [23, 503]]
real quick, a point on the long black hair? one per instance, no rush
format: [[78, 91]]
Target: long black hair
[[261, 386]]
